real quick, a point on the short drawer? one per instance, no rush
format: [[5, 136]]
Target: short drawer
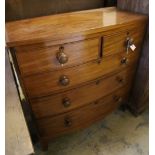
[[117, 42], [75, 98], [41, 57], [77, 119], [58, 81]]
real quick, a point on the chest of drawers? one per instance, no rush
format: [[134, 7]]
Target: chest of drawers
[[75, 68]]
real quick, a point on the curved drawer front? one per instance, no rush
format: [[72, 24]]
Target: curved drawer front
[[39, 58], [69, 100], [82, 117], [118, 42], [75, 68], [52, 82]]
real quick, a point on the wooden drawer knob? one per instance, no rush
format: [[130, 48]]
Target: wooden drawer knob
[[66, 102], [118, 99], [61, 56], [64, 80], [124, 61], [67, 122]]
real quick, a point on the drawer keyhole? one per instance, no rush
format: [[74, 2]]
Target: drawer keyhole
[[120, 79]]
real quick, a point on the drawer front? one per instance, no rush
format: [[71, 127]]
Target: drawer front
[[82, 117], [38, 58], [118, 42], [52, 82], [69, 100]]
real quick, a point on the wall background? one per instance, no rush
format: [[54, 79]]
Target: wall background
[[141, 6], [21, 9]]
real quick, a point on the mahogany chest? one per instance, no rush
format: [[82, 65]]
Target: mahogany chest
[[75, 68]]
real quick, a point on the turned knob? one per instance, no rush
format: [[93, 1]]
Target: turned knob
[[61, 56], [118, 99], [67, 122], [124, 61], [64, 80], [66, 102]]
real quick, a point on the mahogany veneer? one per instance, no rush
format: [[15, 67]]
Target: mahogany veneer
[[75, 68]]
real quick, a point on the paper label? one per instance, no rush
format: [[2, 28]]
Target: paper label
[[132, 47]]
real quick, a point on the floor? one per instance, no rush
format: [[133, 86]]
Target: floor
[[17, 137], [120, 133]]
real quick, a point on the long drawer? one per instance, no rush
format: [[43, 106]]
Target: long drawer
[[75, 98], [52, 82], [43, 57], [53, 126]]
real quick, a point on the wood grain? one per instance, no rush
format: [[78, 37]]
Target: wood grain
[[39, 58], [53, 105], [48, 83], [41, 79], [140, 92], [117, 42], [139, 100], [56, 27], [54, 126], [18, 139]]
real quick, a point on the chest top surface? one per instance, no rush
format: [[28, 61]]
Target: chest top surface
[[55, 27]]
